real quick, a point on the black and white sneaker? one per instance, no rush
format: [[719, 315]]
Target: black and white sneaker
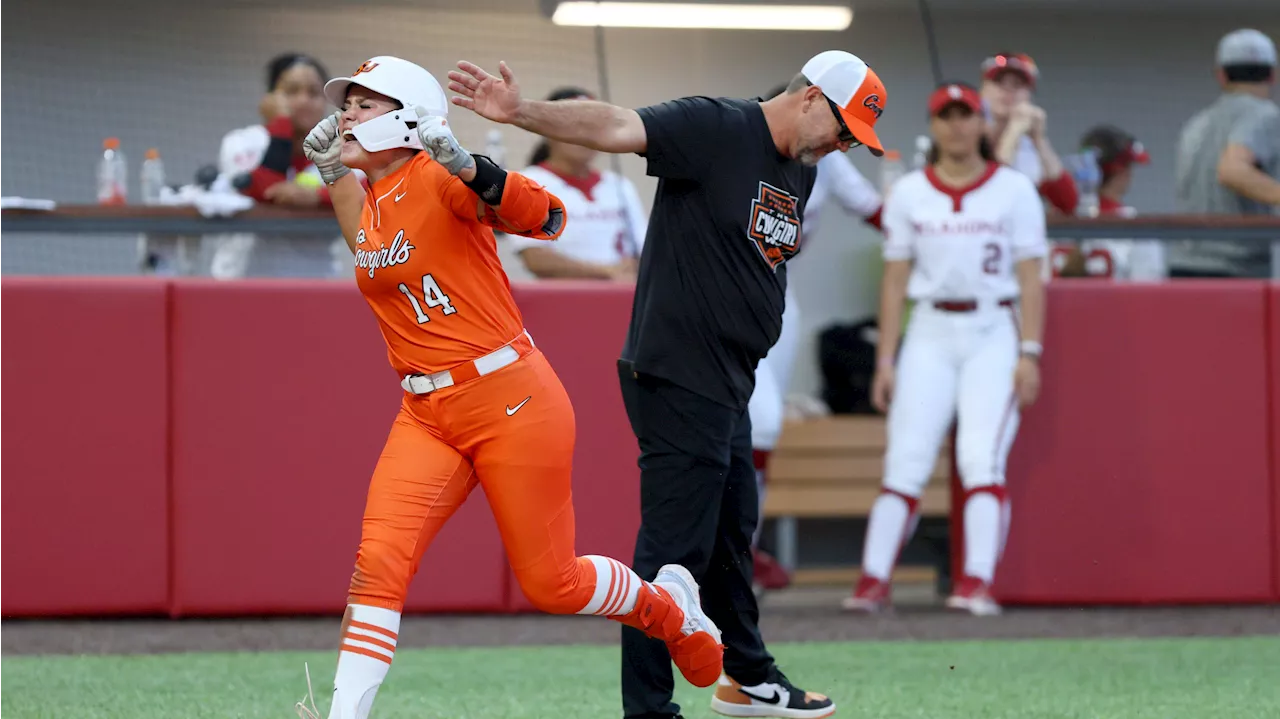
[[777, 697]]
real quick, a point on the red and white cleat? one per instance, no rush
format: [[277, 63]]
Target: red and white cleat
[[871, 596], [768, 572], [973, 595]]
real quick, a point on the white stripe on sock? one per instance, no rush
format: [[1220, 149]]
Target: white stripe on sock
[[375, 635], [388, 653], [378, 617], [616, 588]]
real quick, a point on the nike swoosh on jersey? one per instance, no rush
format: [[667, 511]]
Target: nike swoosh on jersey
[[400, 196], [512, 410]]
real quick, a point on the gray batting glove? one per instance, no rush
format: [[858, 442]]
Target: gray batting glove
[[438, 141], [323, 147]]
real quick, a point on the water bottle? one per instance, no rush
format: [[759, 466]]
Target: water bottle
[[494, 149], [1085, 171], [923, 143], [113, 174], [891, 170], [152, 177]]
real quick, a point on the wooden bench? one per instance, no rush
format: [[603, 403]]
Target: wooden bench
[[832, 467]]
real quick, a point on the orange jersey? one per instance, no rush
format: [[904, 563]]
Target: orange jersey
[[427, 263]]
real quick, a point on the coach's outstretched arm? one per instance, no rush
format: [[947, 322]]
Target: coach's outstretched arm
[[597, 125]]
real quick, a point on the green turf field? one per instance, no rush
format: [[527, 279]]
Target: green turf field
[[1091, 679]]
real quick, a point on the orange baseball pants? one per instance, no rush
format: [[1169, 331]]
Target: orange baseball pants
[[512, 432]]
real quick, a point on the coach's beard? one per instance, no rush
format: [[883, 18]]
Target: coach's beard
[[810, 156]]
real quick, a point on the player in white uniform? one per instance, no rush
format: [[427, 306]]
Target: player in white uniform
[[1123, 260], [1017, 128], [265, 162], [965, 239], [607, 222], [838, 181]]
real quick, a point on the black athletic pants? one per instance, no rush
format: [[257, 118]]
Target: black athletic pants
[[698, 508]]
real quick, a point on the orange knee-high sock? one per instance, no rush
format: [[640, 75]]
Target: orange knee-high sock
[[621, 595]]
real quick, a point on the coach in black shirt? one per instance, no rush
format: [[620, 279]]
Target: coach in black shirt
[[734, 176]]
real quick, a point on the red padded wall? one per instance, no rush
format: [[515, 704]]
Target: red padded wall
[[1142, 473], [85, 516], [282, 400]]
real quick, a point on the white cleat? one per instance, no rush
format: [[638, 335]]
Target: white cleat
[[973, 595], [684, 589]]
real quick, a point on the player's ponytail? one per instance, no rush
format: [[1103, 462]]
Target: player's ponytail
[[986, 149], [541, 154]]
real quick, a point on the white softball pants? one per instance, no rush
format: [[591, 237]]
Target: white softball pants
[[954, 366]]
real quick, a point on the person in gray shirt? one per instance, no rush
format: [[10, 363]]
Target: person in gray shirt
[[1228, 160]]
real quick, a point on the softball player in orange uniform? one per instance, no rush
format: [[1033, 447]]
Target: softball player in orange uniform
[[481, 405]]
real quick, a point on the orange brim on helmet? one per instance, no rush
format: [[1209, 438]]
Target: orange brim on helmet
[[855, 90]]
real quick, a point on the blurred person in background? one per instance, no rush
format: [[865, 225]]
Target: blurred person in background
[[1228, 159], [1017, 128], [840, 182], [605, 233], [266, 162], [1116, 152], [965, 240], [428, 266]]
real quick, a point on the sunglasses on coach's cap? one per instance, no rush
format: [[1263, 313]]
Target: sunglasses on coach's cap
[[846, 135]]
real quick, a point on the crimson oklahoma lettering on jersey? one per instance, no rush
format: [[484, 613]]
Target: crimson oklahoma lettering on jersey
[[775, 225], [964, 241]]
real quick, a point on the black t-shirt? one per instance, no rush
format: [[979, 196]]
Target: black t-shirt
[[726, 217]]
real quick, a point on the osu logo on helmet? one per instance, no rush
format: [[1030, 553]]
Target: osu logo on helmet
[[365, 67]]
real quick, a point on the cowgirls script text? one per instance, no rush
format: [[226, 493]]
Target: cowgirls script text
[[374, 260]]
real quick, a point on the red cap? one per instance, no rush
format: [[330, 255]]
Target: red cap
[[954, 94], [1018, 62]]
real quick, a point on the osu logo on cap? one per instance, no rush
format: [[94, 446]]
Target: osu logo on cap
[[365, 67], [955, 92], [873, 104]]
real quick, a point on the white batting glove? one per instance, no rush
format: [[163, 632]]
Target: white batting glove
[[438, 141], [323, 147]]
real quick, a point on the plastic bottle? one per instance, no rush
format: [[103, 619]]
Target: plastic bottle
[[891, 170], [494, 149], [923, 143], [1088, 176], [152, 177], [113, 174]]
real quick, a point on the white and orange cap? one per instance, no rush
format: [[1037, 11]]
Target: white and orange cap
[[855, 90]]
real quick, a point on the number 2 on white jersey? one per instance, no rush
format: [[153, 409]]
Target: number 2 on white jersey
[[433, 295]]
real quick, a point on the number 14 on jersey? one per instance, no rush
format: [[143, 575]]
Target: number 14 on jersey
[[433, 296]]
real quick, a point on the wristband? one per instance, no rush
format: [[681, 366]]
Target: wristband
[[278, 156], [490, 181], [1031, 348]]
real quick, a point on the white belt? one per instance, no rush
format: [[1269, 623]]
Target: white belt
[[425, 383]]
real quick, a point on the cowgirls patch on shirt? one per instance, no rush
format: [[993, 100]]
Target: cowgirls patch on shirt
[[775, 224]]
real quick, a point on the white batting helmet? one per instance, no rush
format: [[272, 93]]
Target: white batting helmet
[[412, 86]]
